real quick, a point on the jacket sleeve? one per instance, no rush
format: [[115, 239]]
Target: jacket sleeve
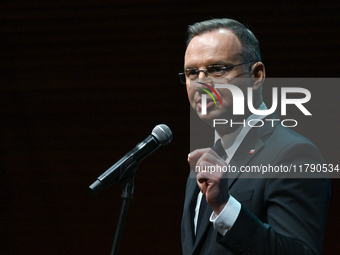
[[295, 209]]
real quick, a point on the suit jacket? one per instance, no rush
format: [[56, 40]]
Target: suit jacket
[[278, 215]]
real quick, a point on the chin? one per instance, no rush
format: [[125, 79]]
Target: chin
[[209, 117], [215, 113], [205, 118]]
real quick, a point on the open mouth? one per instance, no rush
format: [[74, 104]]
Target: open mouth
[[210, 104]]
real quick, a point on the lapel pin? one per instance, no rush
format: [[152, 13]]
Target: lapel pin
[[252, 151]]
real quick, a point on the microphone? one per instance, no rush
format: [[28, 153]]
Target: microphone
[[127, 165]]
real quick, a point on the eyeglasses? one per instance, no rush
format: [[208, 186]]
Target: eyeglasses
[[212, 71]]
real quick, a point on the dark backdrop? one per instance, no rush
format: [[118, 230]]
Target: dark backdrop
[[82, 82]]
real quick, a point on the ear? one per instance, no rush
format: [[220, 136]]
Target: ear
[[258, 73]]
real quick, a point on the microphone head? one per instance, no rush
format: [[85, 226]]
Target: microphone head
[[162, 133]]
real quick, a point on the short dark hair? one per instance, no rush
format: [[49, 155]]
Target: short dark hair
[[250, 45]]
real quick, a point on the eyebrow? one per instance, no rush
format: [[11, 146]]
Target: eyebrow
[[219, 62]]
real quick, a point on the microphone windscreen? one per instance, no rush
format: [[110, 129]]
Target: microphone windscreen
[[162, 133]]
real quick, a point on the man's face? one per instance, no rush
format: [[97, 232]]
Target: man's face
[[220, 47]]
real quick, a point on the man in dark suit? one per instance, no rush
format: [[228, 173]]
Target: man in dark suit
[[245, 215]]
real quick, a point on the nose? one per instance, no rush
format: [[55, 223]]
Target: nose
[[202, 73]]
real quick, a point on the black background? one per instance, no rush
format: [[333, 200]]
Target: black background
[[82, 82]]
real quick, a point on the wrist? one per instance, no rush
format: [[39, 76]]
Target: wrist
[[220, 203]]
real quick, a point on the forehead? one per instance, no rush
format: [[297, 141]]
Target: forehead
[[215, 46]]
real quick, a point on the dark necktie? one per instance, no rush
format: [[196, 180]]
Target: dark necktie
[[218, 148]]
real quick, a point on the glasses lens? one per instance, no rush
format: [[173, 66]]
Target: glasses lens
[[216, 70], [192, 73]]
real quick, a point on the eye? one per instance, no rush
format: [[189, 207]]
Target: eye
[[191, 72], [216, 70]]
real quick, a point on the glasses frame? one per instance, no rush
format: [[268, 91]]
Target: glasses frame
[[184, 77]]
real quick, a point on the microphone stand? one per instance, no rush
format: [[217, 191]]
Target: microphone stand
[[127, 196]]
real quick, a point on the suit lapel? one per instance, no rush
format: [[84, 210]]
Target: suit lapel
[[190, 204], [204, 226], [189, 207], [249, 148]]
